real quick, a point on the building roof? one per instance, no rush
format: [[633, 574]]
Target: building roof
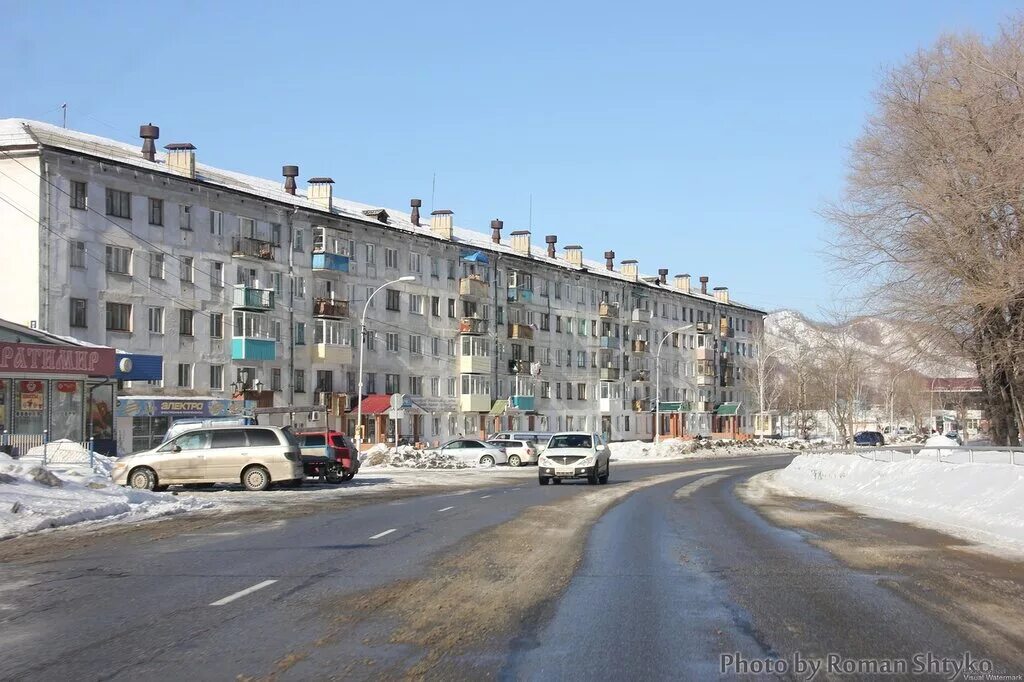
[[376, 403], [16, 132]]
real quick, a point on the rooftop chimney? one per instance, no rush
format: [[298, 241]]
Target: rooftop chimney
[[181, 157], [704, 284], [521, 241], [722, 294], [290, 173], [496, 226], [414, 217], [149, 133], [441, 223], [551, 239], [321, 192], [662, 275], [630, 269], [609, 260], [574, 254], [683, 283]]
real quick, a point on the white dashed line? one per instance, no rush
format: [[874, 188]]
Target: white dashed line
[[445, 509], [380, 535], [237, 595], [484, 497]]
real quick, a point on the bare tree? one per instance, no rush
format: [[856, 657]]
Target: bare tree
[[765, 379]]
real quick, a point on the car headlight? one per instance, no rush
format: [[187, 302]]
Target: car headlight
[[586, 462], [545, 462]]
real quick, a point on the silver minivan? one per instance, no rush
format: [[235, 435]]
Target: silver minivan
[[541, 438], [254, 456]]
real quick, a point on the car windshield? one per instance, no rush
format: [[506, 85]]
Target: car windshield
[[570, 440]]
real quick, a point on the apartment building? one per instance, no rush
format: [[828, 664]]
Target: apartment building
[[249, 292]]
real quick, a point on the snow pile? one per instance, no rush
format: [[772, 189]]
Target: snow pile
[[974, 501], [678, 448], [639, 450], [34, 497], [408, 457]]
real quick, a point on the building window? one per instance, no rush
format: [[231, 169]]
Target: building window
[[185, 217], [119, 260], [216, 325], [275, 378], [391, 258], [451, 307], [371, 255], [545, 389], [156, 265], [156, 320], [545, 322], [216, 223], [78, 308], [416, 385], [119, 317], [300, 238], [415, 304], [392, 383], [77, 254], [216, 377], [435, 268], [371, 382], [568, 391], [581, 391], [186, 321], [435, 306], [299, 381], [156, 211], [435, 386], [435, 346], [415, 344], [394, 300], [187, 266], [79, 195], [300, 333], [391, 341], [299, 287], [184, 375], [415, 262], [452, 387], [558, 391], [119, 204], [216, 274], [247, 227]]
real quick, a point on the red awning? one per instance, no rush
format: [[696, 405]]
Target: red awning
[[376, 403]]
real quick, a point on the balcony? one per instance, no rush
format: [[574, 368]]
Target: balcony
[[475, 402], [252, 336], [332, 353], [704, 406], [519, 295], [609, 342], [253, 349], [520, 331], [705, 380], [725, 331], [472, 325], [641, 375], [609, 374], [474, 364], [605, 404], [639, 346], [518, 367], [249, 247], [641, 405], [474, 288], [703, 327], [705, 353], [330, 308], [248, 298], [330, 262], [524, 403], [608, 310], [640, 316]]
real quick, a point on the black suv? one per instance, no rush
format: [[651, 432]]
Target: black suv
[[868, 438]]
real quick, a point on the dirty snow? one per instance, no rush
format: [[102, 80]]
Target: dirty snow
[[978, 502], [381, 456], [678, 448]]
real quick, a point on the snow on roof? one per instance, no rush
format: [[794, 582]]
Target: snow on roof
[[21, 132]]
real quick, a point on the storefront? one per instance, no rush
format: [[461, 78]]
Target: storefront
[[142, 421]]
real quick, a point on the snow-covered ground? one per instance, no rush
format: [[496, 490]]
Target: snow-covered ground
[[976, 501], [678, 448]]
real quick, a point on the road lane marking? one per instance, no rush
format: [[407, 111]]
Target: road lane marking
[[445, 509], [380, 535], [485, 497], [238, 595], [701, 482]]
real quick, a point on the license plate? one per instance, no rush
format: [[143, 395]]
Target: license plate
[[564, 472]]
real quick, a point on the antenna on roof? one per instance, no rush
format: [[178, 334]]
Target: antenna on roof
[[433, 190], [65, 108], [531, 213]]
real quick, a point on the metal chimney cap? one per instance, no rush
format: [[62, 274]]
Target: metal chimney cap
[[609, 254], [320, 181], [497, 224], [551, 238], [630, 262], [149, 132], [704, 278], [180, 146], [415, 203], [662, 271], [290, 171]]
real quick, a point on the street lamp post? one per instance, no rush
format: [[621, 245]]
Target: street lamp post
[[762, 372], [362, 343], [892, 401], [657, 381]]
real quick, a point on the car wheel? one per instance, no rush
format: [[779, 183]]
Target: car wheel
[[334, 474], [514, 461], [142, 478], [256, 478], [592, 478], [544, 480], [487, 461], [349, 476], [607, 472]]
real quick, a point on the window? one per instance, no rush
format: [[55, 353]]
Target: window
[[277, 330], [416, 385], [558, 390], [451, 347], [216, 223], [435, 268], [216, 325], [568, 391], [300, 333], [299, 239], [415, 262], [79, 195], [371, 341], [392, 383], [247, 227], [391, 258], [435, 346], [275, 234], [451, 307], [216, 274], [558, 324], [371, 382], [216, 377], [299, 287], [394, 298], [156, 211], [452, 387], [581, 391], [324, 381], [581, 358], [119, 317], [435, 387], [78, 308], [186, 269], [435, 306], [119, 260], [415, 344], [77, 254], [371, 255], [156, 265], [299, 381], [451, 269], [119, 204], [391, 339], [416, 304], [156, 320], [275, 378], [545, 322], [184, 375], [185, 217], [186, 321], [545, 389]]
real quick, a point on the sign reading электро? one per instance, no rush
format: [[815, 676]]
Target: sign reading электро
[[32, 358]]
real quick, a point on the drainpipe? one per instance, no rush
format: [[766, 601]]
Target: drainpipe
[[44, 321], [289, 220], [494, 352]]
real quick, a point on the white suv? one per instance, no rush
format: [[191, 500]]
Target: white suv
[[575, 454]]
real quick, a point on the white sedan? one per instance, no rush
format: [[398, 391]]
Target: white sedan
[[474, 451], [575, 454]]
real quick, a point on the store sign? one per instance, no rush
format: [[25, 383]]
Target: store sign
[[34, 358], [148, 407]]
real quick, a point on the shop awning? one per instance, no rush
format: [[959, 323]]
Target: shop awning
[[727, 409], [498, 408], [376, 403], [475, 257]]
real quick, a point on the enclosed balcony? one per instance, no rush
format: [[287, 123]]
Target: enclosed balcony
[[520, 331], [524, 403], [726, 331], [332, 342], [520, 287], [518, 295], [608, 310], [704, 380], [704, 353], [330, 308], [641, 375], [640, 316], [641, 405], [639, 346], [519, 367], [703, 406], [250, 247], [703, 327], [474, 288], [472, 325], [474, 355], [609, 374], [609, 342], [475, 393], [249, 298], [252, 337], [330, 262]]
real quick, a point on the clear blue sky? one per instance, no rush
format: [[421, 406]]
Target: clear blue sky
[[700, 137]]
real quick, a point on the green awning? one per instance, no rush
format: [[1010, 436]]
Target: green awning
[[498, 408], [727, 409]]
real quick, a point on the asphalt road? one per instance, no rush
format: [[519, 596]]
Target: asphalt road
[[485, 583]]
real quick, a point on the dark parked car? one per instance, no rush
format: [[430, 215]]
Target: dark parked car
[[868, 438]]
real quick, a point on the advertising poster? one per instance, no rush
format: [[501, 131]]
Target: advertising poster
[[101, 413], [31, 394]]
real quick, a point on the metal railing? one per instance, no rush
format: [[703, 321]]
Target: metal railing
[[17, 445], [951, 454]]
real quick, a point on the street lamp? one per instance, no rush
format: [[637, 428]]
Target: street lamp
[[657, 381], [362, 342], [762, 371], [892, 401]]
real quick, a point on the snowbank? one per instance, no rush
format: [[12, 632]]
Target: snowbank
[[678, 448], [979, 502], [34, 497], [381, 456]]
